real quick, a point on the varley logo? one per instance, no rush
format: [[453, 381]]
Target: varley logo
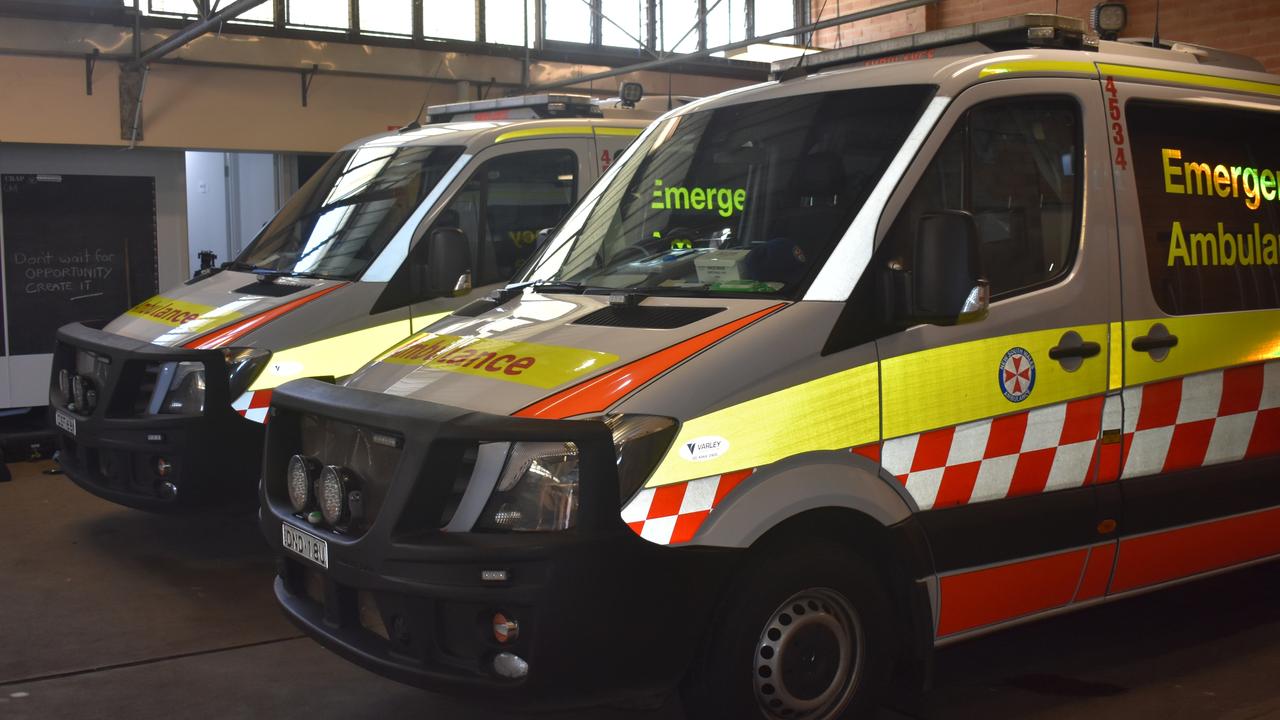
[[707, 447]]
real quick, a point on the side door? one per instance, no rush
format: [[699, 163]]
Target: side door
[[992, 426], [510, 192], [1200, 214]]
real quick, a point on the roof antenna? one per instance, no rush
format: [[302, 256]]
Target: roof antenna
[[1155, 38], [805, 53]]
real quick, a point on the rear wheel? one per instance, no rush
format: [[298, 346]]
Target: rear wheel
[[803, 633]]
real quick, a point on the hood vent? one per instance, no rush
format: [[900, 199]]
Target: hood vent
[[655, 317], [270, 289]]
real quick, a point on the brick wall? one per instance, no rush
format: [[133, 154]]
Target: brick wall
[[1243, 26]]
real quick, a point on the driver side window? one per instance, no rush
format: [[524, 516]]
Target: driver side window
[[1015, 166]]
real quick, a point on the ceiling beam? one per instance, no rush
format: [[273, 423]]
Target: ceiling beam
[[195, 30]]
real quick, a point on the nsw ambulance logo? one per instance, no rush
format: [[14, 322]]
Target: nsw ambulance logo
[[1017, 374]]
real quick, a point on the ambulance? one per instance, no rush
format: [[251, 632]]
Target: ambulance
[[163, 408], [918, 341]]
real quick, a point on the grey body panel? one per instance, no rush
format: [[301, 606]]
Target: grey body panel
[[544, 320], [810, 481], [777, 352], [218, 291]]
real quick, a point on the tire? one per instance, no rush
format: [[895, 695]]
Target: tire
[[803, 632]]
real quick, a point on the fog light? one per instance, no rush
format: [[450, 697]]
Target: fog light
[[90, 399], [512, 667], [301, 473], [331, 494], [163, 467], [168, 491], [505, 629]]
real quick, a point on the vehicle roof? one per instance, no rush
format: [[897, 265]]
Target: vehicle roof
[[478, 134], [954, 68]]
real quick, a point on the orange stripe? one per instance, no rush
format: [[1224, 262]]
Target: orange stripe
[[231, 333], [991, 595], [1173, 554], [597, 394]]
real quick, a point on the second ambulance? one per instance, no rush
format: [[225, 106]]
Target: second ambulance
[[163, 408]]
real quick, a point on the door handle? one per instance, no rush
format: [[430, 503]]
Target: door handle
[[1072, 350], [1086, 349], [1149, 343], [1157, 342]]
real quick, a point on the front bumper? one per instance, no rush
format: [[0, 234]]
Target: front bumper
[[115, 451], [602, 613]]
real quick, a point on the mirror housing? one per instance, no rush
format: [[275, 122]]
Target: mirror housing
[[448, 267], [947, 284]]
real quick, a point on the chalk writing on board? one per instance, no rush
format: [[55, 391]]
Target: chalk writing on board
[[64, 272]]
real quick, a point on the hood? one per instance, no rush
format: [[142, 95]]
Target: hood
[[513, 356], [190, 311]]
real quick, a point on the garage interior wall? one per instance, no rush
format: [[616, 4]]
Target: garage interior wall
[[24, 379], [230, 196]]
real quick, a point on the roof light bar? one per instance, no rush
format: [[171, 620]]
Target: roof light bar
[[1034, 29], [520, 107]]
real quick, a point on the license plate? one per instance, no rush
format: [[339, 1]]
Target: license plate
[[305, 544], [64, 421]]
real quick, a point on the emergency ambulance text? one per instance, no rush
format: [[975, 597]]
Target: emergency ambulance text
[[725, 201], [1222, 248], [443, 352], [1200, 178]]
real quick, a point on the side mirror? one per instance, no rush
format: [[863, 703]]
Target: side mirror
[[948, 285], [448, 268]]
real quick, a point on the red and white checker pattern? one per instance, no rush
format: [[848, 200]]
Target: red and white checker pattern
[[253, 405], [673, 513], [1205, 419], [1048, 448]]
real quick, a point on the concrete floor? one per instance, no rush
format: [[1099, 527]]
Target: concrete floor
[[111, 613]]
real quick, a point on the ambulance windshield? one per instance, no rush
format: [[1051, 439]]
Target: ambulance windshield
[[337, 223], [747, 198]]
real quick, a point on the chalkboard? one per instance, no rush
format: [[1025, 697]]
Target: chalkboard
[[76, 247]]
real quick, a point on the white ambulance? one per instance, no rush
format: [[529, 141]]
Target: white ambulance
[[919, 341]]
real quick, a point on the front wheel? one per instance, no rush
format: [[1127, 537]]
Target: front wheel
[[803, 633]]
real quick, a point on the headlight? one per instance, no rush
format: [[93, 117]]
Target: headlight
[[331, 494], [302, 472], [186, 392], [538, 489], [243, 367]]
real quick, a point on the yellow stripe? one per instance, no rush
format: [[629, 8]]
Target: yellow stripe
[[544, 132], [336, 356], [831, 413], [1185, 78], [1205, 342], [959, 383], [1115, 378], [1038, 66], [627, 132]]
